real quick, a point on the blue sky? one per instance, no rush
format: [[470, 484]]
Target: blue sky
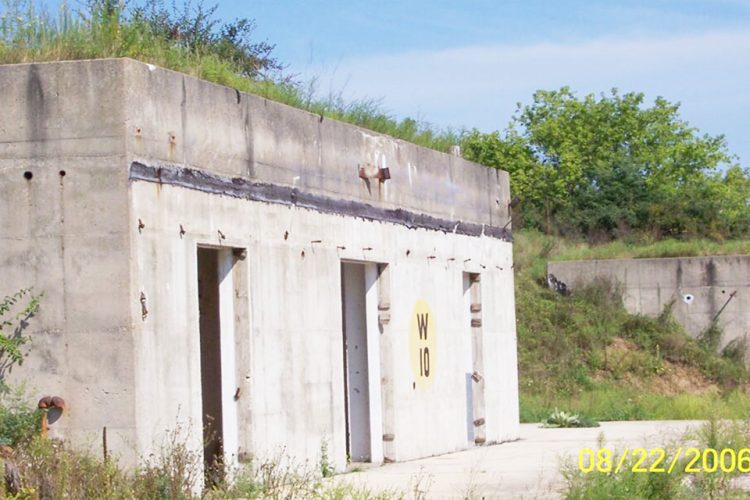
[[467, 64]]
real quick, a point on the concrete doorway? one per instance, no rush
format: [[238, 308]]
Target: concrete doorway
[[217, 353], [362, 389]]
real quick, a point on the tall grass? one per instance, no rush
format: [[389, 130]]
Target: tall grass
[[677, 483], [626, 249], [613, 401], [107, 29], [51, 469]]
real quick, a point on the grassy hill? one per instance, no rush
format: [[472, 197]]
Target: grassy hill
[[585, 354]]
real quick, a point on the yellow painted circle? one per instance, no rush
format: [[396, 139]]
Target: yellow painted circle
[[422, 344]]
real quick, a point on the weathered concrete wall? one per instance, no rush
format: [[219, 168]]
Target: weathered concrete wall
[[292, 383], [698, 288], [65, 231], [158, 164], [204, 126]]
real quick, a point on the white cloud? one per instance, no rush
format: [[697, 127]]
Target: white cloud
[[480, 85]]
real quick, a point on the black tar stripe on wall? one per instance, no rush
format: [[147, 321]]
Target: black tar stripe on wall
[[242, 188]]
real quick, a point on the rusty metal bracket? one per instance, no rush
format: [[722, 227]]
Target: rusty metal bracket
[[369, 171]]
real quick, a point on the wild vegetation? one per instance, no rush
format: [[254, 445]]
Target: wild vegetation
[[585, 354], [608, 166], [15, 312], [640, 248], [46, 468], [632, 482]]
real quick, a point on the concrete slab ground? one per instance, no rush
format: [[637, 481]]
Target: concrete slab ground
[[527, 468]]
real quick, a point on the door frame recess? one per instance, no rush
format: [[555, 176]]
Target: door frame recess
[[223, 261], [370, 273]]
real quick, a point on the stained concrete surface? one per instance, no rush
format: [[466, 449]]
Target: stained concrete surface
[[527, 468], [699, 290]]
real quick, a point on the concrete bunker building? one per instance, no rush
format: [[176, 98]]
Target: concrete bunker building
[[211, 259]]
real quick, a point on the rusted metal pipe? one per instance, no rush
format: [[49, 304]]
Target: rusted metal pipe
[[46, 404], [716, 318]]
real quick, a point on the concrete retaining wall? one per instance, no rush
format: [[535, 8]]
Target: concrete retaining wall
[[698, 288]]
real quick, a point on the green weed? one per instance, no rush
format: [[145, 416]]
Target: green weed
[[562, 419], [18, 421], [642, 247]]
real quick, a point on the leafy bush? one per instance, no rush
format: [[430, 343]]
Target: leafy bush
[[736, 350], [14, 317], [18, 421], [606, 166], [711, 336]]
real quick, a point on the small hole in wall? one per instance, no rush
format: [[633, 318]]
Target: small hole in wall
[[408, 252], [62, 173], [723, 291], [28, 175], [414, 385]]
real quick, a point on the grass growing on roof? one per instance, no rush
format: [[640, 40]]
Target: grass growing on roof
[[193, 42]]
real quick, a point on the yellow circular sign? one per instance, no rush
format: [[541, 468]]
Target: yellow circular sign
[[422, 344]]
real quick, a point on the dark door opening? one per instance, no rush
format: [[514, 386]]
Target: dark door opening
[[356, 373], [210, 347]]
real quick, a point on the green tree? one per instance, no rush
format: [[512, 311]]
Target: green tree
[[605, 165]]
